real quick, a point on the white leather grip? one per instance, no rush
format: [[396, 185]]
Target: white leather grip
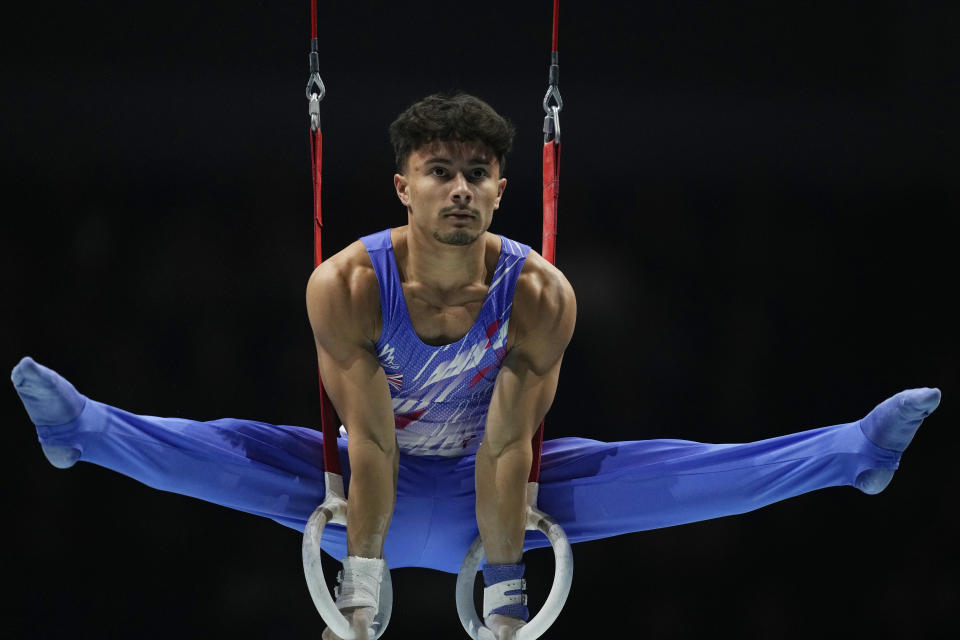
[[360, 582]]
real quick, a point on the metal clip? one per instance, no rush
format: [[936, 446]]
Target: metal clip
[[315, 88], [315, 85], [551, 125], [552, 102], [553, 90], [314, 110]]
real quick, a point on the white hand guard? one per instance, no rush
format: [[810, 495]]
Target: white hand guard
[[359, 582]]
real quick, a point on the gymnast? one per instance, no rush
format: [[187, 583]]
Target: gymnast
[[440, 345]]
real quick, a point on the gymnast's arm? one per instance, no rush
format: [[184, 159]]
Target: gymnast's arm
[[344, 308], [543, 316]]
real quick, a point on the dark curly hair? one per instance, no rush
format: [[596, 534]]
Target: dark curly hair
[[450, 117]]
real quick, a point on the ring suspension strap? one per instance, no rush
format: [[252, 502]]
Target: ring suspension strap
[[361, 581], [552, 104], [315, 93]]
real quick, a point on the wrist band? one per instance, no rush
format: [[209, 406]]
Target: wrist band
[[504, 591]]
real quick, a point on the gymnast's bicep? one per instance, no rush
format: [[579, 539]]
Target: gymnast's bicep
[[339, 308]]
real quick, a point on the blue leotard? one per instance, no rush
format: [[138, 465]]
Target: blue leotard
[[441, 393]]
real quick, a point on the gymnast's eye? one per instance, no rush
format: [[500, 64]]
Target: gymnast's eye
[[439, 172], [478, 173]]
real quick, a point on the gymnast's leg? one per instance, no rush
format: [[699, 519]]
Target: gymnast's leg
[[598, 489], [272, 471], [601, 489], [275, 471]]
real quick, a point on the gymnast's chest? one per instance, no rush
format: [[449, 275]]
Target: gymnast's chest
[[438, 321]]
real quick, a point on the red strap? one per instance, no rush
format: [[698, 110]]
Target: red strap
[[328, 416], [316, 157], [551, 193], [551, 198]]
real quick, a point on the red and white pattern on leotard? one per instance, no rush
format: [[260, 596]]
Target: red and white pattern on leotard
[[442, 411]]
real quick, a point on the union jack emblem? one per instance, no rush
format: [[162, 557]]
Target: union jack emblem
[[395, 380]]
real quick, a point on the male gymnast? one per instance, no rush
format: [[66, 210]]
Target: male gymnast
[[440, 346]]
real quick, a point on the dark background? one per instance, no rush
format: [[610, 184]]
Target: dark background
[[757, 213]]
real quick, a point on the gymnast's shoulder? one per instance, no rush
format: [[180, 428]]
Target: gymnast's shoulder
[[343, 291], [544, 304]]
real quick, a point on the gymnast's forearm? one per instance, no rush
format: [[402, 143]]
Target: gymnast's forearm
[[371, 496], [501, 480]]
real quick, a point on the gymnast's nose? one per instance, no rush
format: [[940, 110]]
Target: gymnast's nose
[[461, 193]]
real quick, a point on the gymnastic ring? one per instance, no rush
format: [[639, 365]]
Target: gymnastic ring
[[334, 509], [562, 579]]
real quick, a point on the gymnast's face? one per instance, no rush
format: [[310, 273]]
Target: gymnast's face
[[451, 190]]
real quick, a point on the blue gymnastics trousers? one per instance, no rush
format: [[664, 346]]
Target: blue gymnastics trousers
[[592, 489]]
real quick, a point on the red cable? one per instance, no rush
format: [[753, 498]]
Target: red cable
[[556, 13], [313, 18]]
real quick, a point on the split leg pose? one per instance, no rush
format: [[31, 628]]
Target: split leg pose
[[593, 489]]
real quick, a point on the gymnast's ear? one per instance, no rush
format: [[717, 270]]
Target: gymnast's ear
[[501, 185], [402, 187]]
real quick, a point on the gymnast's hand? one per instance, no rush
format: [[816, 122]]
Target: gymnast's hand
[[503, 627], [361, 621]]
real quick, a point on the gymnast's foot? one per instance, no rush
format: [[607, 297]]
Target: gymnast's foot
[[49, 400], [892, 425]]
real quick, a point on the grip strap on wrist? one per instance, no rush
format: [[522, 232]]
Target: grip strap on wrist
[[504, 591], [359, 582]]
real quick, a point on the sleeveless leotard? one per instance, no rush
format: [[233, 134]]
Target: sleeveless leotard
[[441, 394]]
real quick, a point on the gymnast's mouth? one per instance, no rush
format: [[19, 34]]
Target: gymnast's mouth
[[459, 209], [460, 214]]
